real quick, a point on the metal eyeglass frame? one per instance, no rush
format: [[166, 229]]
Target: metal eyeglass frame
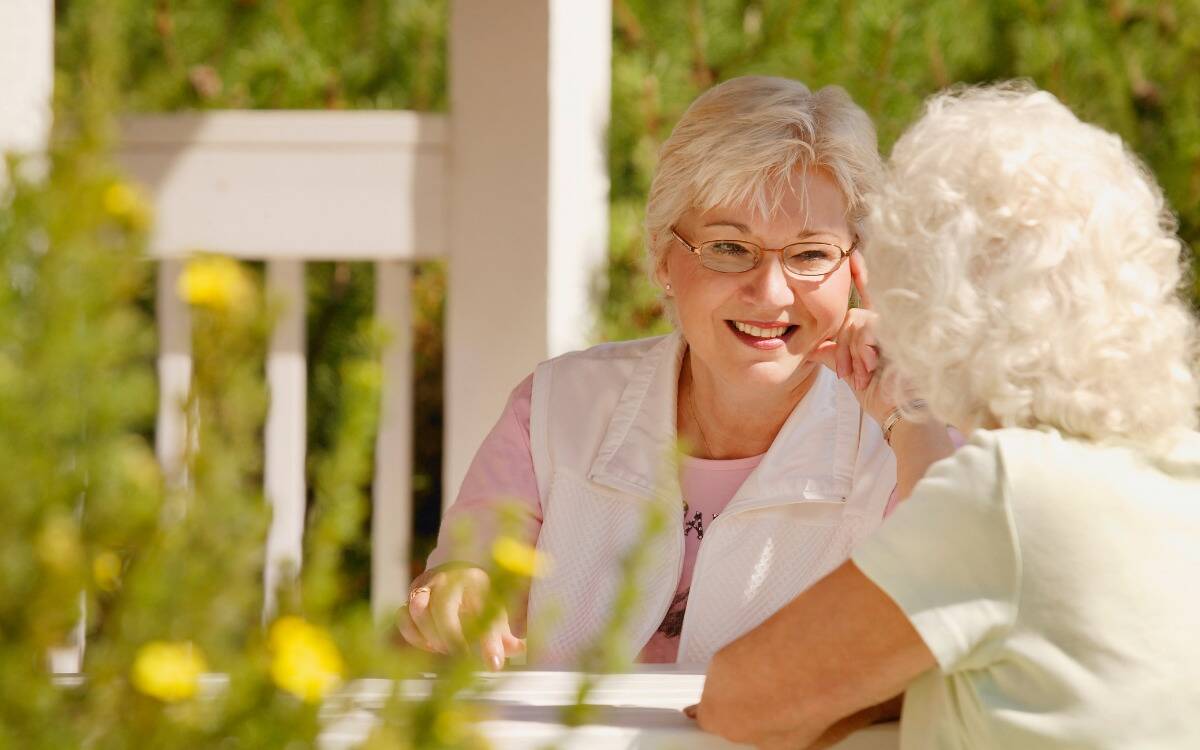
[[758, 256]]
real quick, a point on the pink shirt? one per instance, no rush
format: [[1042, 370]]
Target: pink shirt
[[501, 474]]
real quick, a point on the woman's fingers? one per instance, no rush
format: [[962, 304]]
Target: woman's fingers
[[861, 343], [446, 607], [825, 354], [499, 643], [845, 362], [408, 629], [418, 610]]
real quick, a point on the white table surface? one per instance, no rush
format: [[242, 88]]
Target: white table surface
[[639, 709]]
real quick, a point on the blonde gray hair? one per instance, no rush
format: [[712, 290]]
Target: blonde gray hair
[[744, 140], [1027, 273]]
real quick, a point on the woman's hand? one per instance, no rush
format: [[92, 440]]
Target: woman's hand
[[439, 600], [853, 353]]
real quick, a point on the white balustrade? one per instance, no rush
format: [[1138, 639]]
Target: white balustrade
[[511, 190], [285, 188]]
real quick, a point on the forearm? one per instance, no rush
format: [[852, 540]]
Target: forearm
[[917, 445]]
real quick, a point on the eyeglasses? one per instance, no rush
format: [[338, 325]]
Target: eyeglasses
[[736, 256]]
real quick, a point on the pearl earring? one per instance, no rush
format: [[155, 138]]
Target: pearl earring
[[668, 287]]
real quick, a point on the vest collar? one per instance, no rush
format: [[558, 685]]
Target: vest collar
[[812, 458]]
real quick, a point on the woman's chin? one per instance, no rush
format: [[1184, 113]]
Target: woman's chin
[[781, 373]]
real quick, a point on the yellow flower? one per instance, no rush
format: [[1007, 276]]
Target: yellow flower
[[168, 671], [215, 282], [126, 203], [519, 558], [106, 570], [451, 725], [304, 659], [58, 544]]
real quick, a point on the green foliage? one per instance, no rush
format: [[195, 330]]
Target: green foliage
[[1126, 65], [279, 54], [178, 560]]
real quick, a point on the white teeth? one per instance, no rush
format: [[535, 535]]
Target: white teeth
[[762, 333]]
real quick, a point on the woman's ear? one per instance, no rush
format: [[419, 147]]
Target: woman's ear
[[662, 273], [858, 275]]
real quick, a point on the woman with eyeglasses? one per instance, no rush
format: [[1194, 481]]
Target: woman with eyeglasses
[[793, 451]]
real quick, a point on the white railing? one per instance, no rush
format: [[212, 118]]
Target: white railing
[[511, 191], [286, 188]]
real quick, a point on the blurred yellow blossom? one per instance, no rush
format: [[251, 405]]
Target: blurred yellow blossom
[[451, 725], [106, 570], [215, 282], [125, 203], [304, 659], [519, 558], [58, 545], [168, 671]]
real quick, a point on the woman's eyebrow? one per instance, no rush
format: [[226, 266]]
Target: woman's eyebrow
[[814, 232], [726, 223]]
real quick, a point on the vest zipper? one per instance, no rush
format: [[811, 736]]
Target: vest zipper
[[666, 606], [683, 629], [683, 632]]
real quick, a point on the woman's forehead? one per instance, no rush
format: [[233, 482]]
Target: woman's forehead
[[811, 202]]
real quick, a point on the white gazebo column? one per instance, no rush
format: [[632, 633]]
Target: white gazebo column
[[27, 83], [529, 106], [26, 74]]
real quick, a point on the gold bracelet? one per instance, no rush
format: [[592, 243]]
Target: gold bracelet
[[897, 414]]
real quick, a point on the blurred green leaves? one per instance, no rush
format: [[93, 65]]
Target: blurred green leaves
[[1131, 66]]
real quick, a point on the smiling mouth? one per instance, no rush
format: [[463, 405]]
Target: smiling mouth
[[765, 333]]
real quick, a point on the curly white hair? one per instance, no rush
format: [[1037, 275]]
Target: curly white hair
[[1028, 273]]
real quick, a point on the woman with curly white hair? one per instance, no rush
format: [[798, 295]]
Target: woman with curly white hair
[[1039, 587], [752, 231]]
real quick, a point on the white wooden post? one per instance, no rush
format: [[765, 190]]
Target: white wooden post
[[286, 431], [391, 517], [174, 372], [26, 80], [26, 74], [529, 103]]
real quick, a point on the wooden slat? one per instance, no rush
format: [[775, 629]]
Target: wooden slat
[[391, 519], [174, 373], [294, 184], [286, 431]]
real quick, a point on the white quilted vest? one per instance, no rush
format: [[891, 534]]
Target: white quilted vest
[[822, 487]]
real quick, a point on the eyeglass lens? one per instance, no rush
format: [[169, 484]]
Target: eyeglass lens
[[805, 258]]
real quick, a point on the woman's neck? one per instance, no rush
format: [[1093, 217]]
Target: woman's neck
[[722, 420]]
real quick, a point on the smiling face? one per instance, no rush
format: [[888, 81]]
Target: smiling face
[[755, 329]]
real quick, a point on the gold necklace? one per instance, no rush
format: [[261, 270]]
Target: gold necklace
[[691, 405]]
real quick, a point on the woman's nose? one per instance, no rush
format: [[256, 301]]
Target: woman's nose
[[767, 283]]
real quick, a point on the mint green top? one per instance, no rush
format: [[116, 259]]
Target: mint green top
[[1057, 583]]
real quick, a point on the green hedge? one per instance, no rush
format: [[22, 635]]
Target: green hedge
[[1133, 67]]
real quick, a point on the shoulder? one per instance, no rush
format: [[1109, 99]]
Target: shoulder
[[610, 352], [604, 364]]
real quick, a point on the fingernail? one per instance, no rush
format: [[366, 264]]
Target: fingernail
[[496, 661]]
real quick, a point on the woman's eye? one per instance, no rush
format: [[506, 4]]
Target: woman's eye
[[814, 255], [729, 248]]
